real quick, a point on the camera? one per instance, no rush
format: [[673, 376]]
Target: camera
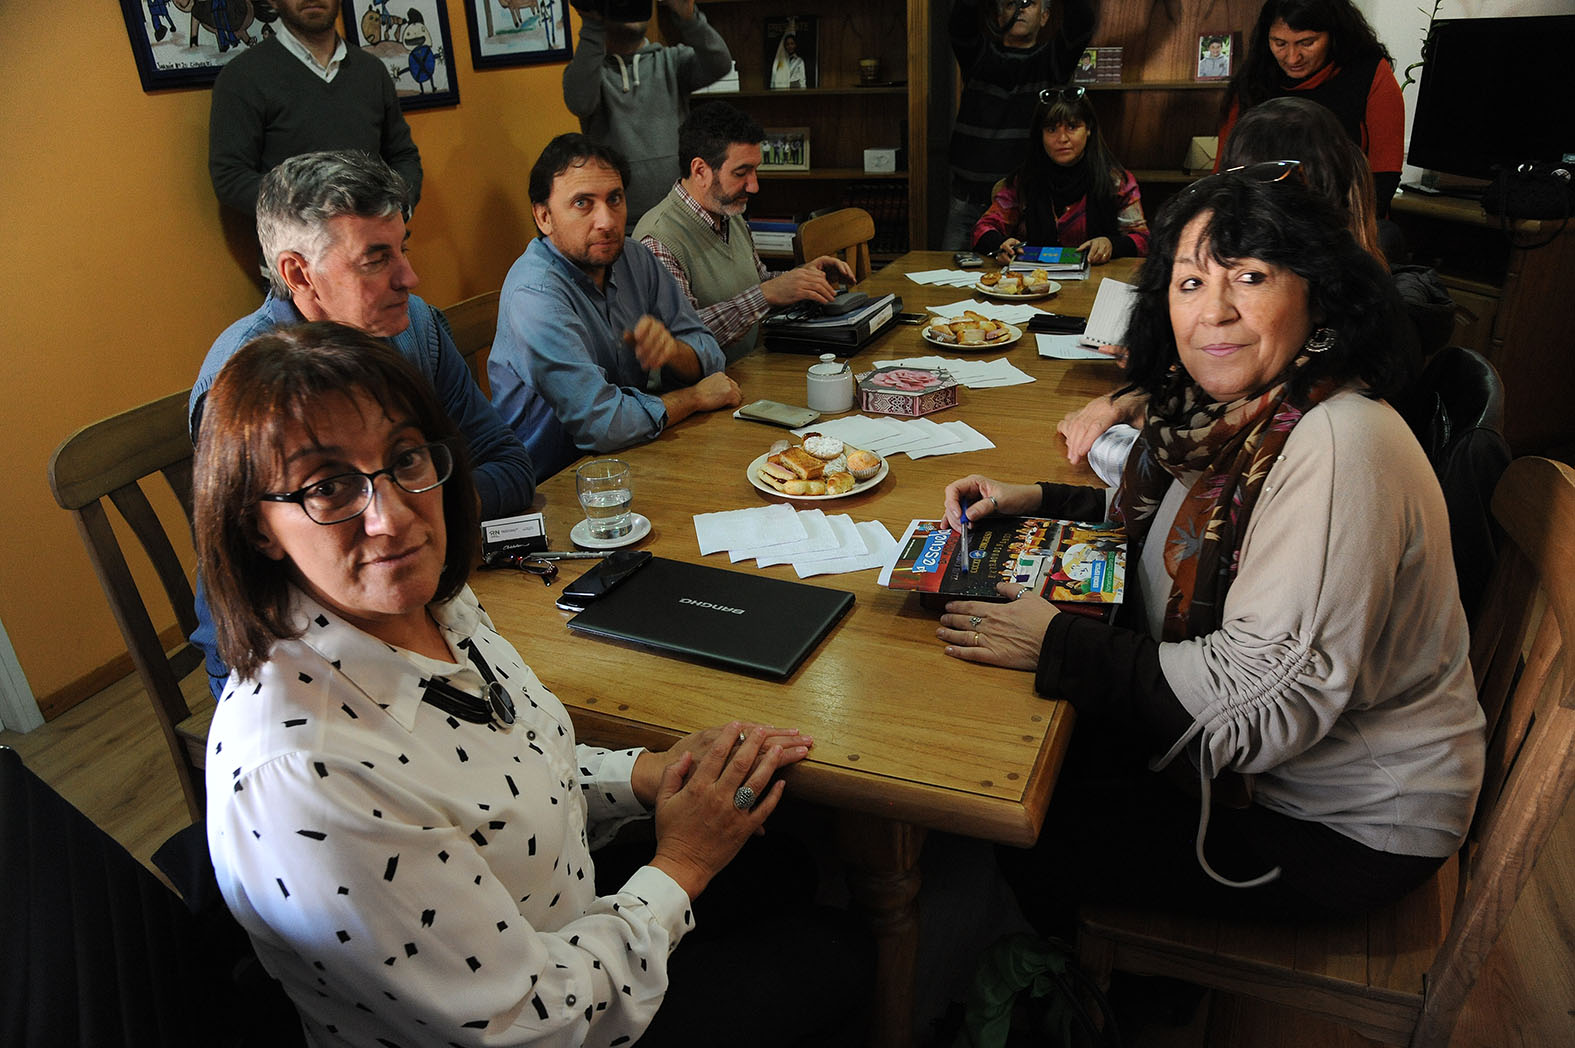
[[618, 10]]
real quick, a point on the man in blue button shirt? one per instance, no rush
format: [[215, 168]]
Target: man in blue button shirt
[[332, 229], [597, 347]]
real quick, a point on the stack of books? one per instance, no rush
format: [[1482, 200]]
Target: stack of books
[[773, 236], [887, 203]]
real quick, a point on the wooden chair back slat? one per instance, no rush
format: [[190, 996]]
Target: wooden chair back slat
[[145, 524], [846, 234], [104, 464], [473, 324], [1407, 982]]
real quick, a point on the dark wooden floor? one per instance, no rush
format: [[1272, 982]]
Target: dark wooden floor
[[107, 757]]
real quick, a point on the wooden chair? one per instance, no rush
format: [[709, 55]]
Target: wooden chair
[[1401, 975], [472, 323], [846, 234], [108, 460]]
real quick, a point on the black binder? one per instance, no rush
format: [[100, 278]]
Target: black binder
[[802, 330]]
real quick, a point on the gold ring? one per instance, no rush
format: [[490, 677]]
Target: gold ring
[[976, 638]]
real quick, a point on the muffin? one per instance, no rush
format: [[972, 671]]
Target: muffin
[[863, 464]]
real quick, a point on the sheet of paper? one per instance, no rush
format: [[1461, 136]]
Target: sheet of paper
[[968, 439], [754, 527], [819, 536], [1068, 347], [950, 277], [880, 548], [850, 543]]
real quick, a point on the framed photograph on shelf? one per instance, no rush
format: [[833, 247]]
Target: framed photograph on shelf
[[414, 47], [1215, 51], [790, 53], [519, 32], [1098, 65], [176, 48], [785, 149]]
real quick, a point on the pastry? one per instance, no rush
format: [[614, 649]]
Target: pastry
[[838, 483], [823, 448], [804, 487], [989, 279], [801, 463], [779, 447], [1009, 285], [939, 331], [863, 464]]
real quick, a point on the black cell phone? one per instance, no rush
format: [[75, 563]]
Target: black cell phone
[[967, 260], [912, 318], [1057, 324], [601, 579]]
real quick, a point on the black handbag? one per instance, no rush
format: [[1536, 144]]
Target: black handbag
[[1530, 191]]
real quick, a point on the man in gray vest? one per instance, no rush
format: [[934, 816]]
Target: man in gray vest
[[699, 234]]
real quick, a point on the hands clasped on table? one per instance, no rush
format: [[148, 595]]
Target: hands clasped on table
[[713, 790]]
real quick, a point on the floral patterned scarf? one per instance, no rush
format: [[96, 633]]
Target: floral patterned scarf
[[1230, 449]]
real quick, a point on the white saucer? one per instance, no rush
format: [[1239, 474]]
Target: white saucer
[[581, 534]]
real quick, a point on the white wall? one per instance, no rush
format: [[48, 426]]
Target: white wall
[[1402, 24]]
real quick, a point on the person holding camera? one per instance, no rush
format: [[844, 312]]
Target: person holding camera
[[631, 94]]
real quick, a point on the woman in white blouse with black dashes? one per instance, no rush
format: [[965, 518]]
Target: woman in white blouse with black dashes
[[397, 810]]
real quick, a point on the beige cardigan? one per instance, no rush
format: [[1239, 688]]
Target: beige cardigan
[[1339, 678]]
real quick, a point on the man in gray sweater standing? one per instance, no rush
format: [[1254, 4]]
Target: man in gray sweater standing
[[303, 91], [632, 94]]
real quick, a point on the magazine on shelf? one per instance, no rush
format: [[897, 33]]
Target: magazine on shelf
[[791, 53], [1079, 567]]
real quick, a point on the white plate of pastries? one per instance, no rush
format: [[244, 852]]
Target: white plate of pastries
[[816, 467], [970, 331], [1016, 287]]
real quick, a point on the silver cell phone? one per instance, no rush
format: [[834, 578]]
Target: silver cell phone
[[777, 414], [967, 260]]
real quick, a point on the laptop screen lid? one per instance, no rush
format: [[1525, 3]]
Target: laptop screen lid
[[746, 622]]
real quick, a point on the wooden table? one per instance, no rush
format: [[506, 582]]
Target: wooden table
[[906, 739]]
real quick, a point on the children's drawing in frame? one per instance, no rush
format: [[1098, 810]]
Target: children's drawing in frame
[[519, 32], [187, 48], [413, 46]]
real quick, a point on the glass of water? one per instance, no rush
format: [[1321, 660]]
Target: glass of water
[[605, 496]]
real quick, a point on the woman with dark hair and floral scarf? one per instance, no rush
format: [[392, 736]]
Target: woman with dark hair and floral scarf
[[1293, 627]]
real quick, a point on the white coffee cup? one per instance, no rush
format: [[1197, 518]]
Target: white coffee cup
[[830, 385]]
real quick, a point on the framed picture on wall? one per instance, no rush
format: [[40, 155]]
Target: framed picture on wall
[[519, 32], [175, 48], [413, 46], [1215, 53], [785, 149]]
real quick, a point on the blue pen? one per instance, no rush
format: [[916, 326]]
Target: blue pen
[[963, 533]]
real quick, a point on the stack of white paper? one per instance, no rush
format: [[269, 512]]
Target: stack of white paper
[[1006, 312], [811, 541], [948, 277], [917, 437]]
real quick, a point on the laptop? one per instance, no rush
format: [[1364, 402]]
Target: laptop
[[751, 623]]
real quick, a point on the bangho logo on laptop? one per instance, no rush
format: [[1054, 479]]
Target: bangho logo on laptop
[[706, 604]]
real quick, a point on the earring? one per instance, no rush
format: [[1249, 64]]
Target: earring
[[1322, 340]]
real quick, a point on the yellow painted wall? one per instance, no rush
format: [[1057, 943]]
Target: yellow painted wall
[[115, 276]]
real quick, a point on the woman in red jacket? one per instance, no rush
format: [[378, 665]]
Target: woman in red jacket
[[1325, 51]]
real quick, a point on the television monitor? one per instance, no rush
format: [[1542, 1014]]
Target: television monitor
[[1494, 92]]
